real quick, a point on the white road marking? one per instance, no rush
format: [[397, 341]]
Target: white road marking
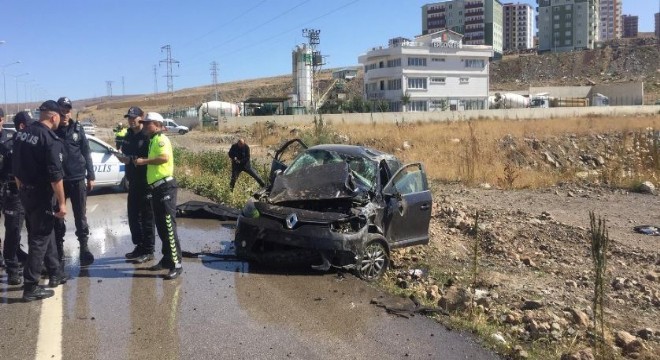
[[90, 209], [49, 342]]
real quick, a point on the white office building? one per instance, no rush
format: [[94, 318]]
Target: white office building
[[433, 72], [518, 26]]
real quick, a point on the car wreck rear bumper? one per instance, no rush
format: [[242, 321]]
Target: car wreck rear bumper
[[256, 236]]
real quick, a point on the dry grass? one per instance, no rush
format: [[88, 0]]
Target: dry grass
[[472, 151]]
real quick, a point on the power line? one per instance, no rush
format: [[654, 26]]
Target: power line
[[255, 28], [225, 24], [169, 61]]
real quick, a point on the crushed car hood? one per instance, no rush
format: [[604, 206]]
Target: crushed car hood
[[323, 182]]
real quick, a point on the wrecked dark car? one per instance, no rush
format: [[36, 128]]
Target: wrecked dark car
[[336, 205]]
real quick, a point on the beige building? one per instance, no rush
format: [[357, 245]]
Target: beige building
[[610, 19]]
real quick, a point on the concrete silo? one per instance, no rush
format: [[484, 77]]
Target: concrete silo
[[302, 76]]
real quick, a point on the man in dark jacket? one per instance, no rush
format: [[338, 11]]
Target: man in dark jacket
[[37, 168], [239, 154], [78, 180], [12, 208], [140, 212]]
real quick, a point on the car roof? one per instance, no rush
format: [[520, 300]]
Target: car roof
[[355, 150]]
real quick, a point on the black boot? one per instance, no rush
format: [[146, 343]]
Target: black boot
[[60, 278], [86, 257], [35, 292], [14, 278]]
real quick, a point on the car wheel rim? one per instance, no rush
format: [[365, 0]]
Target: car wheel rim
[[373, 261]]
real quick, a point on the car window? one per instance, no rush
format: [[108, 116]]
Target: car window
[[409, 180], [96, 147], [363, 169]]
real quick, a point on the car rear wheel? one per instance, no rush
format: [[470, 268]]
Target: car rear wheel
[[374, 260]]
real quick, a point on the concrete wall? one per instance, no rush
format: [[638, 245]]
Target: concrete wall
[[410, 117]]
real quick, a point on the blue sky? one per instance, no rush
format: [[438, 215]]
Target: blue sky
[[73, 47]]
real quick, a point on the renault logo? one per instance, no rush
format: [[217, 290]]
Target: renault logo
[[291, 220]]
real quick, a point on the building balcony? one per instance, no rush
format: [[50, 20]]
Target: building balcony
[[475, 13], [474, 5], [435, 11], [473, 22]]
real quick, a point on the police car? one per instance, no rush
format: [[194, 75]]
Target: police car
[[108, 169]]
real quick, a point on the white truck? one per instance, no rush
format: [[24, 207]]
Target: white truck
[[214, 111], [507, 101]]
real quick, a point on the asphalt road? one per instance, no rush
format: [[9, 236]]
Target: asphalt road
[[218, 309]]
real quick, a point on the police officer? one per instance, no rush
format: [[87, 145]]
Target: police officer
[[120, 134], [37, 168], [239, 153], [12, 208], [4, 136], [160, 168], [140, 213], [78, 180]]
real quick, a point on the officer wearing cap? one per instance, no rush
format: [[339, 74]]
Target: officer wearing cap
[[12, 208], [160, 169], [140, 213], [38, 171], [78, 180]]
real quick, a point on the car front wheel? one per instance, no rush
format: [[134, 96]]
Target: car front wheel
[[374, 260], [181, 132]]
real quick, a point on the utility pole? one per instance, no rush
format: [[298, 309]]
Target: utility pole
[[169, 61], [214, 77], [108, 86], [123, 92], [313, 39], [155, 79]]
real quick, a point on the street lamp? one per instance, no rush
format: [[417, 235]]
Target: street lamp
[[17, 76], [4, 83]]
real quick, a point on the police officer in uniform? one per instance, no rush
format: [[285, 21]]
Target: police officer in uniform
[[38, 172], [140, 213], [160, 169], [12, 208], [78, 180], [120, 134]]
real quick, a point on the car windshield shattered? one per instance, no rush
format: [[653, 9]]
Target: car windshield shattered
[[363, 169]]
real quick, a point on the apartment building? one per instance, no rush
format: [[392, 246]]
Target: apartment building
[[480, 21], [657, 25], [518, 26], [630, 26], [566, 25], [433, 72], [610, 13]]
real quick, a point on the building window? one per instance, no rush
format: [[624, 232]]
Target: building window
[[416, 61], [417, 105], [438, 59], [474, 63], [417, 83], [394, 63], [464, 80], [438, 80], [394, 84], [371, 87]]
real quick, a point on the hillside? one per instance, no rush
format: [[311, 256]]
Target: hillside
[[621, 61]]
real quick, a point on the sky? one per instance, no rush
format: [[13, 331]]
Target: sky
[[74, 48]]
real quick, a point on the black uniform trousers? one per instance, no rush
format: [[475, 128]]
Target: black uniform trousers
[[14, 219], [163, 201], [76, 192], [39, 205], [236, 170], [141, 218]]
